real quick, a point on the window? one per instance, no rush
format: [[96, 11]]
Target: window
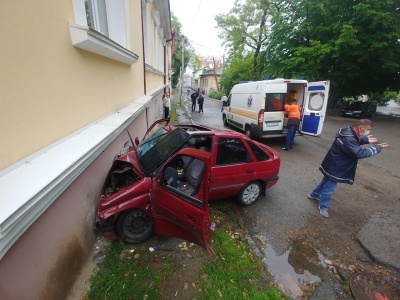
[[231, 151], [103, 27], [259, 153], [274, 102]]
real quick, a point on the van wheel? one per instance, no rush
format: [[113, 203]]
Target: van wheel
[[247, 131], [249, 194], [225, 120], [134, 226]]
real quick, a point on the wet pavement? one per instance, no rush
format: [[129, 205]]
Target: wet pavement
[[299, 270]]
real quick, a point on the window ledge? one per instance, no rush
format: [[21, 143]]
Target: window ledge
[[153, 70], [86, 38]]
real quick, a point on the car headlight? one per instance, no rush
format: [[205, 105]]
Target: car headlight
[[357, 111]]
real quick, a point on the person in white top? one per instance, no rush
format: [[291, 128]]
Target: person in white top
[[167, 103]]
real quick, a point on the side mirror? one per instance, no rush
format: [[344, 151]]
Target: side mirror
[[224, 103]]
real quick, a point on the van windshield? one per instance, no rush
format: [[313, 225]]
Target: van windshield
[[274, 101]]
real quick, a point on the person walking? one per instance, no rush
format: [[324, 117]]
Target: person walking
[[194, 96], [167, 103], [293, 110], [200, 100], [340, 163]]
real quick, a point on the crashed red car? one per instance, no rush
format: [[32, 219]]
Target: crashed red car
[[163, 184]]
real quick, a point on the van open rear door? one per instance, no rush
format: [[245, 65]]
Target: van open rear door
[[314, 108]]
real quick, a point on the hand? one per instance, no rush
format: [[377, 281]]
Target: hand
[[371, 139], [383, 145]]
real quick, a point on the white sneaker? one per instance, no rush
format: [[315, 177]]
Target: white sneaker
[[323, 212]]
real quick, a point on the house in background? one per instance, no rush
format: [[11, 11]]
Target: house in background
[[74, 76], [209, 79]]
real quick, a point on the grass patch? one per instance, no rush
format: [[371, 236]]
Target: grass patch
[[124, 274], [236, 273], [132, 272]]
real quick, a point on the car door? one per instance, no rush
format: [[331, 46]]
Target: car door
[[314, 108], [232, 167], [176, 212]]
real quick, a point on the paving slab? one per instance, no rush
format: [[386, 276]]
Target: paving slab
[[380, 236]]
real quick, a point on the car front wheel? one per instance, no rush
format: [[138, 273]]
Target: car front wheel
[[134, 226], [250, 193]]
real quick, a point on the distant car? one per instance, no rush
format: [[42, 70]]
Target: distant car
[[359, 109], [163, 184]]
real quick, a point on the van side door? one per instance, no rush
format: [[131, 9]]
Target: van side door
[[314, 108]]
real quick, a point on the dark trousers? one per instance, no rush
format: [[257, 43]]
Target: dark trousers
[[201, 108], [193, 106], [166, 112], [290, 136]]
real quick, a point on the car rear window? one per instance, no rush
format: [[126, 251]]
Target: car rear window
[[231, 151], [258, 152]]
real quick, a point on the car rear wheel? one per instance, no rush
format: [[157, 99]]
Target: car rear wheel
[[249, 194], [134, 226]]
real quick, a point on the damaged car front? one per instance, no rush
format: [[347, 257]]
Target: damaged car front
[[128, 184]]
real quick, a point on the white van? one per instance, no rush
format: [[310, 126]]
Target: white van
[[257, 107]]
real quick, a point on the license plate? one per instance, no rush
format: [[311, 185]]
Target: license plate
[[271, 124]]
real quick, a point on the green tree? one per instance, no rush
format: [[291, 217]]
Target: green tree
[[244, 29], [355, 44], [181, 42], [239, 68]]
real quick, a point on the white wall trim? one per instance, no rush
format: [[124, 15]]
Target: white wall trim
[[53, 169], [93, 41]]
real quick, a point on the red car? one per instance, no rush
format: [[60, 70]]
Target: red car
[[163, 184]]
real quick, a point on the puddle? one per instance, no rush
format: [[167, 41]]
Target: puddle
[[300, 266]]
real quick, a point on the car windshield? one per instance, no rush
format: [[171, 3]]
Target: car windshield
[[151, 140], [355, 105], [162, 148]]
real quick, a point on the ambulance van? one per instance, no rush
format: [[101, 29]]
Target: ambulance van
[[257, 107]]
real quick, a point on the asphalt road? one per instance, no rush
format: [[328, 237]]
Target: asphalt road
[[285, 215]]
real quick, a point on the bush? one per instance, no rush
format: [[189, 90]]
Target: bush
[[215, 94]]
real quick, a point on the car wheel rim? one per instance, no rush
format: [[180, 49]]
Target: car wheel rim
[[250, 194], [137, 224]]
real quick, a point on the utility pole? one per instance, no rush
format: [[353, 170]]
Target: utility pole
[[182, 70]]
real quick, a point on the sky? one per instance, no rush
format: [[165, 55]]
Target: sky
[[198, 24]]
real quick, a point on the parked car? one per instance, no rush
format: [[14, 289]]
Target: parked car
[[359, 109], [163, 184]]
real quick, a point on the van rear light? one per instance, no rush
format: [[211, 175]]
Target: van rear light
[[261, 117]]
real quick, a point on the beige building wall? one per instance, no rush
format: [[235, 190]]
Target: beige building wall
[[42, 65], [63, 118]]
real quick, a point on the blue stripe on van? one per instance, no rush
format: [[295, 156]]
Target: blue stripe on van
[[316, 88]]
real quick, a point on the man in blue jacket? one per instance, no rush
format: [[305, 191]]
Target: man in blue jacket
[[340, 163]]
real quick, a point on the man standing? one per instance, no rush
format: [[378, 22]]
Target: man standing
[[340, 163], [194, 96], [293, 111], [200, 100]]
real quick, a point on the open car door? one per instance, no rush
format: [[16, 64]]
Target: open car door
[[179, 198], [314, 108], [155, 126]]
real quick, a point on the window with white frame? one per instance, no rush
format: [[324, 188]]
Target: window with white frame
[[103, 27], [110, 17]]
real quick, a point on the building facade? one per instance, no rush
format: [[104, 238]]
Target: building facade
[[75, 75]]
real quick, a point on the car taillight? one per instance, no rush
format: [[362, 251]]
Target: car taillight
[[261, 117]]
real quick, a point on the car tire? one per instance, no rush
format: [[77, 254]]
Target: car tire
[[249, 194], [134, 226], [225, 120], [247, 131]]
